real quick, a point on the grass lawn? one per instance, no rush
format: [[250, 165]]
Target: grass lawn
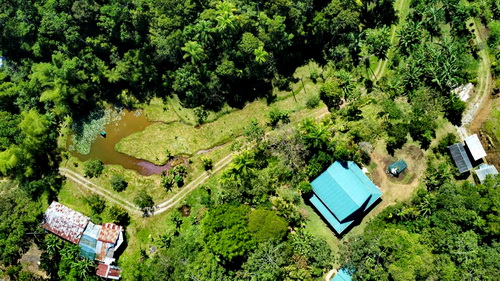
[[184, 139]]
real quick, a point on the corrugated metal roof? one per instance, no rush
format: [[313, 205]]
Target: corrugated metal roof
[[102, 270], [460, 157], [65, 222], [475, 147], [397, 167], [89, 240], [342, 275], [328, 216], [109, 232], [342, 190], [485, 170]]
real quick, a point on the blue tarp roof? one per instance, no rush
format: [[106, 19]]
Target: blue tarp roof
[[89, 240], [342, 190], [342, 275]]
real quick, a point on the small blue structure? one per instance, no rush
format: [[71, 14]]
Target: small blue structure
[[342, 275], [2, 61], [343, 193], [89, 240]]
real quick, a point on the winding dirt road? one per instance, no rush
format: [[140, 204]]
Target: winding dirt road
[[178, 197], [484, 86]]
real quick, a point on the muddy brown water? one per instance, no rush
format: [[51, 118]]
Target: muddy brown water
[[104, 148]]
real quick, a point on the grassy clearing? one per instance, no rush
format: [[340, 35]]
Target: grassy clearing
[[492, 125], [316, 226], [158, 110], [183, 139]]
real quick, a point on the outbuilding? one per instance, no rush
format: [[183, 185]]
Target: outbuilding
[[460, 157], [484, 170], [475, 147]]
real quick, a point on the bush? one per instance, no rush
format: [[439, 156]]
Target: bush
[[276, 115], [118, 183], [331, 94], [144, 201], [312, 102], [96, 203], [93, 168], [305, 187], [266, 225], [118, 215], [207, 163]]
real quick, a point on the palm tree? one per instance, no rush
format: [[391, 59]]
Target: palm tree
[[260, 55], [243, 163], [194, 50]]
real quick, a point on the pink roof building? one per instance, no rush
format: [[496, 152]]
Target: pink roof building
[[65, 222]]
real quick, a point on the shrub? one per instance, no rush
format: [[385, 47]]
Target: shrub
[[118, 215], [93, 168], [96, 203], [266, 225], [305, 187], [207, 163], [312, 102], [144, 201], [118, 183], [276, 115]]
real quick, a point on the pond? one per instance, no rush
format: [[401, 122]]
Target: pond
[[103, 148]]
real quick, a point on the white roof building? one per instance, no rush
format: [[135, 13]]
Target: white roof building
[[475, 147]]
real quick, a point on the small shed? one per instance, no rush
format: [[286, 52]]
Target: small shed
[[342, 275], [460, 157], [485, 170], [2, 61], [396, 168], [475, 147]]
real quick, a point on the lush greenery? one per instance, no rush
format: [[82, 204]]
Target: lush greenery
[[449, 234], [66, 59]]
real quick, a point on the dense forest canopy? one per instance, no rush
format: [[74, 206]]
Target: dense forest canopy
[[62, 59]]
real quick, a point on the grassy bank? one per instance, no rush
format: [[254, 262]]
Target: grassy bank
[[179, 138]]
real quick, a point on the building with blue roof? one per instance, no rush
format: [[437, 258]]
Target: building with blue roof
[[342, 194], [342, 275]]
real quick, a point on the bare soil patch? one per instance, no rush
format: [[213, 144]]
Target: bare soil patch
[[30, 261]]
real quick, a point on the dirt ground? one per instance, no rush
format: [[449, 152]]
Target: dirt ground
[[397, 189], [490, 143], [30, 261]]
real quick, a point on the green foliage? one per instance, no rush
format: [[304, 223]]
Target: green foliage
[[61, 260], [447, 140], [265, 225], [444, 234], [118, 183], [225, 231], [118, 215], [144, 201], [305, 187], [312, 102], [331, 94], [207, 163], [93, 168], [254, 132], [276, 116], [267, 262], [19, 214], [96, 204]]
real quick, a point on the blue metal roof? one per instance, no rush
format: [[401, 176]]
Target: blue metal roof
[[342, 190], [342, 275], [329, 217]]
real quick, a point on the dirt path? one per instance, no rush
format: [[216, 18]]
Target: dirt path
[[478, 109], [82, 181], [178, 197], [379, 71]]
